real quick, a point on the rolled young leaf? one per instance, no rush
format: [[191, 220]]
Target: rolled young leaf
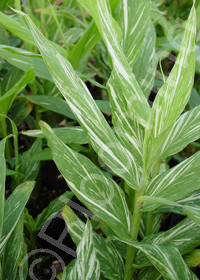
[[99, 193], [87, 265], [173, 95], [111, 262]]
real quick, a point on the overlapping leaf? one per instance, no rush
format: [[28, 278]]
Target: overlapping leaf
[[13, 209], [174, 94], [134, 20], [87, 265], [122, 74], [80, 101], [185, 130], [146, 64], [111, 263], [177, 182], [167, 260], [184, 236], [99, 193]]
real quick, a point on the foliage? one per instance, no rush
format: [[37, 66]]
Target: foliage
[[113, 147]]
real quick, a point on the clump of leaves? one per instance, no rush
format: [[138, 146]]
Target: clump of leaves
[[135, 151]]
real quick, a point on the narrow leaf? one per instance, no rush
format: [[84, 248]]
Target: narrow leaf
[[87, 265], [2, 181], [99, 193], [183, 178], [111, 263], [134, 20], [7, 99], [80, 101], [174, 94], [13, 209]]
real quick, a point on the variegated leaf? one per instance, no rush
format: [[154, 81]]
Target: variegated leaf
[[184, 236], [146, 64], [87, 265], [13, 209], [12, 253], [149, 273], [88, 114], [134, 20], [174, 94], [183, 178], [111, 263], [98, 192], [135, 101], [2, 181], [167, 260], [185, 130]]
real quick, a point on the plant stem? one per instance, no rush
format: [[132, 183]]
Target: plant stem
[[150, 222], [4, 132], [129, 269]]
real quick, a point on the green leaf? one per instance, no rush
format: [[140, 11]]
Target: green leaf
[[80, 101], [13, 252], [30, 168], [111, 263], [25, 60], [68, 135], [22, 32], [167, 260], [122, 73], [134, 20], [88, 40], [146, 64], [99, 193], [55, 104], [53, 208], [149, 273], [87, 265], [184, 131], [183, 177], [7, 99], [2, 181], [13, 209], [184, 236], [173, 95]]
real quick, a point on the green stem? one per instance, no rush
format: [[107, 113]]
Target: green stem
[[4, 132], [150, 223], [129, 269]]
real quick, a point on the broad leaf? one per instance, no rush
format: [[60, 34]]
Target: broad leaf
[[174, 94], [87, 265], [80, 101], [99, 193], [13, 209]]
